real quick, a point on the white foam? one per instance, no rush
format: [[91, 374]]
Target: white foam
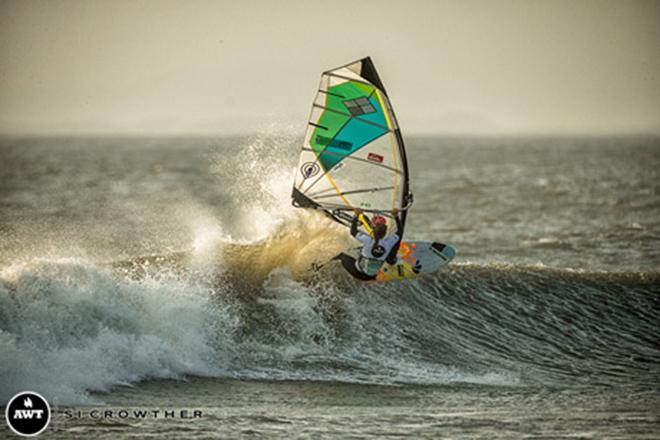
[[70, 327]]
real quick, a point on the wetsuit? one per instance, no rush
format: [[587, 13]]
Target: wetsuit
[[372, 255]]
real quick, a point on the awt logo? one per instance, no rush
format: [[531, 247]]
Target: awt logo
[[27, 413]]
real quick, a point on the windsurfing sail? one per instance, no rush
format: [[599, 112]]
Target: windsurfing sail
[[353, 154]]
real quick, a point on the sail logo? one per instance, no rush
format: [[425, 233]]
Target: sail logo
[[27, 413], [375, 157], [309, 169], [333, 142]]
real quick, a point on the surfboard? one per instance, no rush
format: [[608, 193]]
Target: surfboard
[[416, 258]]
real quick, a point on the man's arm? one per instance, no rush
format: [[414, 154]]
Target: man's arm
[[354, 225], [359, 235], [356, 220], [397, 219]]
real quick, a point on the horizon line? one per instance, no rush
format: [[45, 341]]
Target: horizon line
[[242, 133]]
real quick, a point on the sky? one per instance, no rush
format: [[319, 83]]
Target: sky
[[215, 67]]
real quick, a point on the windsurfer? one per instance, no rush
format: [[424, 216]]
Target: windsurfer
[[375, 250]]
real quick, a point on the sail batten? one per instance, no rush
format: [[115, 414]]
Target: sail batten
[[353, 154]]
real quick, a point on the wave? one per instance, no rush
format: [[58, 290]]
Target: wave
[[67, 327], [253, 311]]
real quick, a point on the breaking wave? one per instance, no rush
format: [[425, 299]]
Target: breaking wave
[[241, 302], [68, 327]]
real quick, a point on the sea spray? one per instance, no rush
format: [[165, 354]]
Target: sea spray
[[68, 327]]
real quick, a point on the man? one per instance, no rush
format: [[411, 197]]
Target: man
[[375, 250]]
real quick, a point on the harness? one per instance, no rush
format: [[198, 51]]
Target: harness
[[369, 266]]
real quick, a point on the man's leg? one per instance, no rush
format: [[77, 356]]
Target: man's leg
[[349, 264], [391, 257]]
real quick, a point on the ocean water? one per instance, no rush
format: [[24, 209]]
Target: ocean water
[[173, 275]]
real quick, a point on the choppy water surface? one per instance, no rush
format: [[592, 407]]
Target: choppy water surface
[[173, 273]]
